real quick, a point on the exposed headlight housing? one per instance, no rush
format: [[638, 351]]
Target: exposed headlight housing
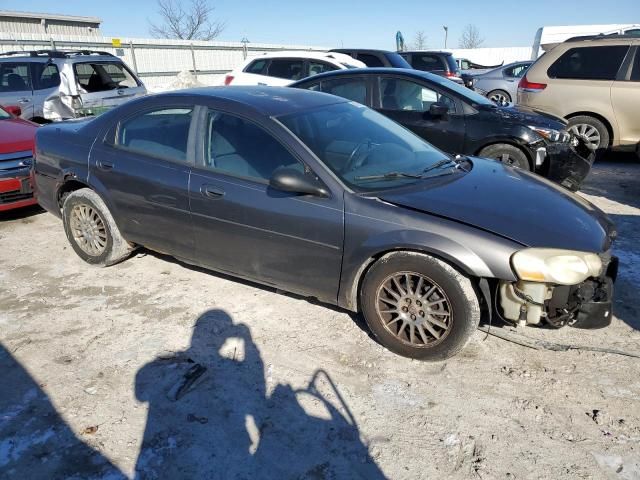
[[560, 267], [548, 133]]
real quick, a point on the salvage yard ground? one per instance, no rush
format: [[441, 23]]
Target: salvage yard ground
[[92, 359]]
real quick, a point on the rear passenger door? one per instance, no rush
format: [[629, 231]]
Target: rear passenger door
[[16, 86], [141, 169], [46, 83], [244, 227], [625, 97]]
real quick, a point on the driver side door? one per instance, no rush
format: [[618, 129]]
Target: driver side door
[[408, 103]]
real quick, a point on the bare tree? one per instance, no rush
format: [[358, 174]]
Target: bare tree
[[420, 41], [470, 37], [186, 20]]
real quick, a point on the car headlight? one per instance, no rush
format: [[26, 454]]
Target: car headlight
[[550, 265], [548, 133]]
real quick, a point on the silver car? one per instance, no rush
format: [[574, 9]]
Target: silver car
[[501, 84], [50, 85]]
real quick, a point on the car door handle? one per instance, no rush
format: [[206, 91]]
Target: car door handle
[[24, 100], [211, 192], [106, 166], [262, 84]]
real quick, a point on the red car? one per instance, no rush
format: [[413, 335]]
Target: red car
[[16, 156]]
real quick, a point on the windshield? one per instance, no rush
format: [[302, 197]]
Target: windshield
[[4, 114], [359, 145], [469, 94]]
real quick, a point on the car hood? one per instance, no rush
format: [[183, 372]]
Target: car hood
[[514, 204], [529, 116], [16, 135]]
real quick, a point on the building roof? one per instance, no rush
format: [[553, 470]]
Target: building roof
[[51, 16]]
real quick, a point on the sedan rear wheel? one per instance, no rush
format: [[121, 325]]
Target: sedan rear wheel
[[592, 132], [419, 306]]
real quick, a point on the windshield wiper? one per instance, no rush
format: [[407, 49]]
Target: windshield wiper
[[389, 175], [457, 163]]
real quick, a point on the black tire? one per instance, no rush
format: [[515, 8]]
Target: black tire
[[109, 247], [576, 127], [509, 154], [460, 305], [495, 95]]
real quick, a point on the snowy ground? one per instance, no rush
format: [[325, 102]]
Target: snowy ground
[[90, 359]]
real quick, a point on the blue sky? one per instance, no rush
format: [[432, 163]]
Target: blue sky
[[357, 23]]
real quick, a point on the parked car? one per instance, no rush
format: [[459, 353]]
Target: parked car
[[500, 85], [460, 121], [57, 85], [375, 58], [283, 68], [438, 63], [593, 82], [466, 64], [16, 154], [327, 198]]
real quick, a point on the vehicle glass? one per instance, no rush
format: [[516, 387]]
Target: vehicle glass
[[290, 69], [4, 114], [370, 60], [350, 88], [396, 60], [516, 71], [472, 97], [635, 73], [316, 67], [160, 133], [47, 76], [238, 147], [14, 77], [635, 32], [589, 63], [355, 141], [404, 95], [427, 63], [464, 64], [256, 67], [451, 62], [100, 77]]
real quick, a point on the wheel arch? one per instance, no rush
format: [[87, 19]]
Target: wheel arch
[[600, 117]]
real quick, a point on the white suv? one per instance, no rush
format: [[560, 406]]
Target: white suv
[[279, 69]]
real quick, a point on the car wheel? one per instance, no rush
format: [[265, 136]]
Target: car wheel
[[506, 154], [91, 230], [418, 306], [499, 96], [592, 131]]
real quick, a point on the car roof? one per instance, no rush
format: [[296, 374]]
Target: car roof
[[263, 100], [80, 59], [304, 54], [416, 74], [360, 50], [440, 52]]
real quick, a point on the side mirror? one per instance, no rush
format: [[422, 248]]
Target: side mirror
[[438, 109], [294, 181], [13, 109]]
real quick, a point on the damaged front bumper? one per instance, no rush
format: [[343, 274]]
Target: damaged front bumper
[[587, 305], [568, 163]]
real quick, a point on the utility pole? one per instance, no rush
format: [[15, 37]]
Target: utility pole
[[446, 34]]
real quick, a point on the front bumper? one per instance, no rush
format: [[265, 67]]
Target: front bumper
[[16, 189], [568, 164]]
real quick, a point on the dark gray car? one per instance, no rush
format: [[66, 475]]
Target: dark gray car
[[317, 195]]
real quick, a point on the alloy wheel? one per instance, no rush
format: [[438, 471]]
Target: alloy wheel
[[499, 98], [588, 133], [88, 230], [414, 309]]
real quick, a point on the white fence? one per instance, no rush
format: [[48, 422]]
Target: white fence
[[155, 61], [493, 56]]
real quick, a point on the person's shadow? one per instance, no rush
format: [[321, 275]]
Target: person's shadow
[[210, 416], [35, 442]]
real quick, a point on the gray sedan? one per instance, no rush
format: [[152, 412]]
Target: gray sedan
[[501, 84]]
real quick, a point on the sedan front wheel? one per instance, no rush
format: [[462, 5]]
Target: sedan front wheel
[[419, 306]]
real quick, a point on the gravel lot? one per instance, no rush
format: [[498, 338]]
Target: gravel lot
[[92, 359]]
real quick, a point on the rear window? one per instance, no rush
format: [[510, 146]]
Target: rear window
[[370, 60], [589, 63], [102, 76], [427, 63]]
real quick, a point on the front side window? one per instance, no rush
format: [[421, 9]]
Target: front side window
[[316, 67], [289, 69], [47, 76], [589, 63], [14, 77], [359, 144], [103, 76], [350, 88], [404, 95], [238, 147], [159, 133]]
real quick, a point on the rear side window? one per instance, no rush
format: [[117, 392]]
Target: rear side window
[[47, 76], [589, 63], [370, 60], [635, 73], [160, 133], [516, 71], [290, 69], [256, 67], [100, 77], [14, 77], [427, 63], [350, 88]]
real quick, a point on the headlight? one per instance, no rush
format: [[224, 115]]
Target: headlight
[[548, 133], [550, 265]]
